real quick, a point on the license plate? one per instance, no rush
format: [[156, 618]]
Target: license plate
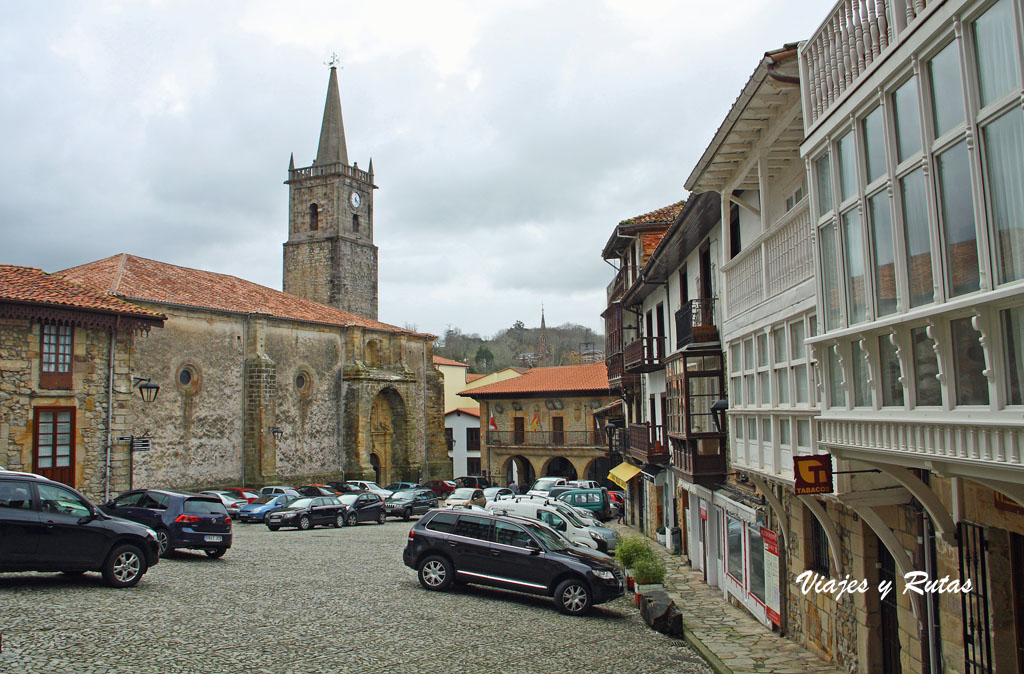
[[213, 539]]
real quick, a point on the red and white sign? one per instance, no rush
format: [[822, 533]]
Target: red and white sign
[[704, 511], [773, 602]]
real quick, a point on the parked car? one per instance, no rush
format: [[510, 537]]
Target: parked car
[[395, 486], [180, 520], [364, 506], [542, 486], [446, 546], [585, 484], [279, 490], [307, 512], [408, 502], [466, 496], [561, 521], [373, 487], [48, 526], [249, 495], [492, 493], [341, 487], [231, 502], [315, 490], [595, 500], [585, 516], [258, 510], [477, 481], [441, 488]]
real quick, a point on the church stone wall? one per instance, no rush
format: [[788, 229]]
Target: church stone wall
[[357, 274], [308, 269]]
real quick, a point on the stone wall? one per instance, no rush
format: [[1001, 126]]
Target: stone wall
[[308, 267]]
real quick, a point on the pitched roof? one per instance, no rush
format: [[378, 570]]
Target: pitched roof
[[562, 379], [440, 360], [34, 286], [471, 377], [137, 278], [665, 215], [468, 411]]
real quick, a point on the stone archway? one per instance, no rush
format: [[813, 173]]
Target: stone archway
[[375, 465], [597, 469], [389, 440], [559, 466], [519, 469]]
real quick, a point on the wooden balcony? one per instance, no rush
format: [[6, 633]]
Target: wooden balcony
[[646, 354], [648, 444], [695, 322], [700, 460], [854, 35], [617, 287]]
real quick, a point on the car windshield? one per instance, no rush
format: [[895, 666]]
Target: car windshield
[[463, 492], [348, 499], [549, 538], [545, 484], [299, 504], [404, 494]]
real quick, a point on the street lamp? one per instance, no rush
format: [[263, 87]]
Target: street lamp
[[609, 431], [278, 433], [147, 389], [718, 413]]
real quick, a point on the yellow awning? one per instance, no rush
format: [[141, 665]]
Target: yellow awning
[[623, 473]]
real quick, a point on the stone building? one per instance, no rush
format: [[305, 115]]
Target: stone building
[[67, 355], [260, 386], [542, 423]]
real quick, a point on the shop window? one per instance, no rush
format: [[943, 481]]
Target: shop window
[[56, 354], [734, 542], [755, 545], [817, 559]]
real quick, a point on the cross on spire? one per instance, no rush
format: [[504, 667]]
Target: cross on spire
[[335, 60]]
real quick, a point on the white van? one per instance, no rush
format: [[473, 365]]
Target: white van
[[542, 486], [561, 521], [586, 516]]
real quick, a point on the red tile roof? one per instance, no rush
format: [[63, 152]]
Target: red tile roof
[[468, 411], [563, 379], [473, 377], [440, 360], [665, 215], [34, 286], [136, 278]]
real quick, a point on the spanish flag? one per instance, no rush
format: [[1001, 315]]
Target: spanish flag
[[493, 423], [533, 423]]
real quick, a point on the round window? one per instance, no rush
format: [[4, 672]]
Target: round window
[[300, 382], [189, 379], [304, 382], [185, 376]]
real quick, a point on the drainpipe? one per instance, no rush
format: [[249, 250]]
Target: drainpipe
[[110, 408], [245, 330], [426, 441], [774, 60]]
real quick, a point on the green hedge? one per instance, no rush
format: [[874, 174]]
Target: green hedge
[[631, 550]]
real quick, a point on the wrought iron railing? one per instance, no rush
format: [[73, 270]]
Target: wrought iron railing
[[547, 438], [695, 322]]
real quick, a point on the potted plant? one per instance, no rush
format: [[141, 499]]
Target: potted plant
[[629, 550], [662, 535], [648, 575]]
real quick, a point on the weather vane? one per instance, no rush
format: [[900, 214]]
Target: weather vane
[[333, 63]]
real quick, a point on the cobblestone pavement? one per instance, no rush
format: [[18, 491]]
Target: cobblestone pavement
[[726, 636], [327, 600]]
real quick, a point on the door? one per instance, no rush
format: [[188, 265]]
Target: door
[[518, 430], [150, 509], [69, 538], [20, 528], [53, 444], [890, 627], [706, 291], [513, 559], [660, 318], [557, 430], [470, 547], [1017, 574], [321, 512]]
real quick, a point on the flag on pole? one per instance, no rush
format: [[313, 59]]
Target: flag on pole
[[493, 423], [533, 423]]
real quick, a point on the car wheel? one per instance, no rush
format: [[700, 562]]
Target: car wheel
[[572, 597], [163, 542], [339, 521], [352, 520], [124, 566], [382, 517], [215, 553], [304, 523], [436, 573], [407, 515]]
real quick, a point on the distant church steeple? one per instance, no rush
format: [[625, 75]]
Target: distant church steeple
[[330, 256], [543, 350]]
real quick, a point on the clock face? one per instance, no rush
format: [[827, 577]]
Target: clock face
[[355, 199]]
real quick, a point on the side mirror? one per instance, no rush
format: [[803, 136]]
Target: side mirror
[[533, 547]]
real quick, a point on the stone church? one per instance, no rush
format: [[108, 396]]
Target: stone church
[[259, 386]]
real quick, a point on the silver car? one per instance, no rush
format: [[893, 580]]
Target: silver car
[[230, 500]]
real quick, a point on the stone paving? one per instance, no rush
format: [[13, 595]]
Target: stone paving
[[326, 600], [729, 638]]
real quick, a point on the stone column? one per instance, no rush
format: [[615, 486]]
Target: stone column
[[260, 405]]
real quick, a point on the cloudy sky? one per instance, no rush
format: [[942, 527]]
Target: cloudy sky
[[508, 138]]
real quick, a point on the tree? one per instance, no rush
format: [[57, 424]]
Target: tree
[[483, 358]]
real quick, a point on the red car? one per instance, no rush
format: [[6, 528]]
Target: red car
[[441, 488], [243, 492]]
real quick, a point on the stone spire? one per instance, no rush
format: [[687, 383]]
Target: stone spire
[[542, 325], [332, 148]]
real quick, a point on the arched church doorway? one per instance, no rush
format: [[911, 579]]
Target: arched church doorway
[[518, 469], [560, 467], [389, 440], [375, 464]]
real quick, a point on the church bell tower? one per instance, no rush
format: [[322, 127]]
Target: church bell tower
[[330, 256]]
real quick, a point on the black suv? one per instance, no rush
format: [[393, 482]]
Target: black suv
[[48, 526], [180, 520], [451, 546]]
